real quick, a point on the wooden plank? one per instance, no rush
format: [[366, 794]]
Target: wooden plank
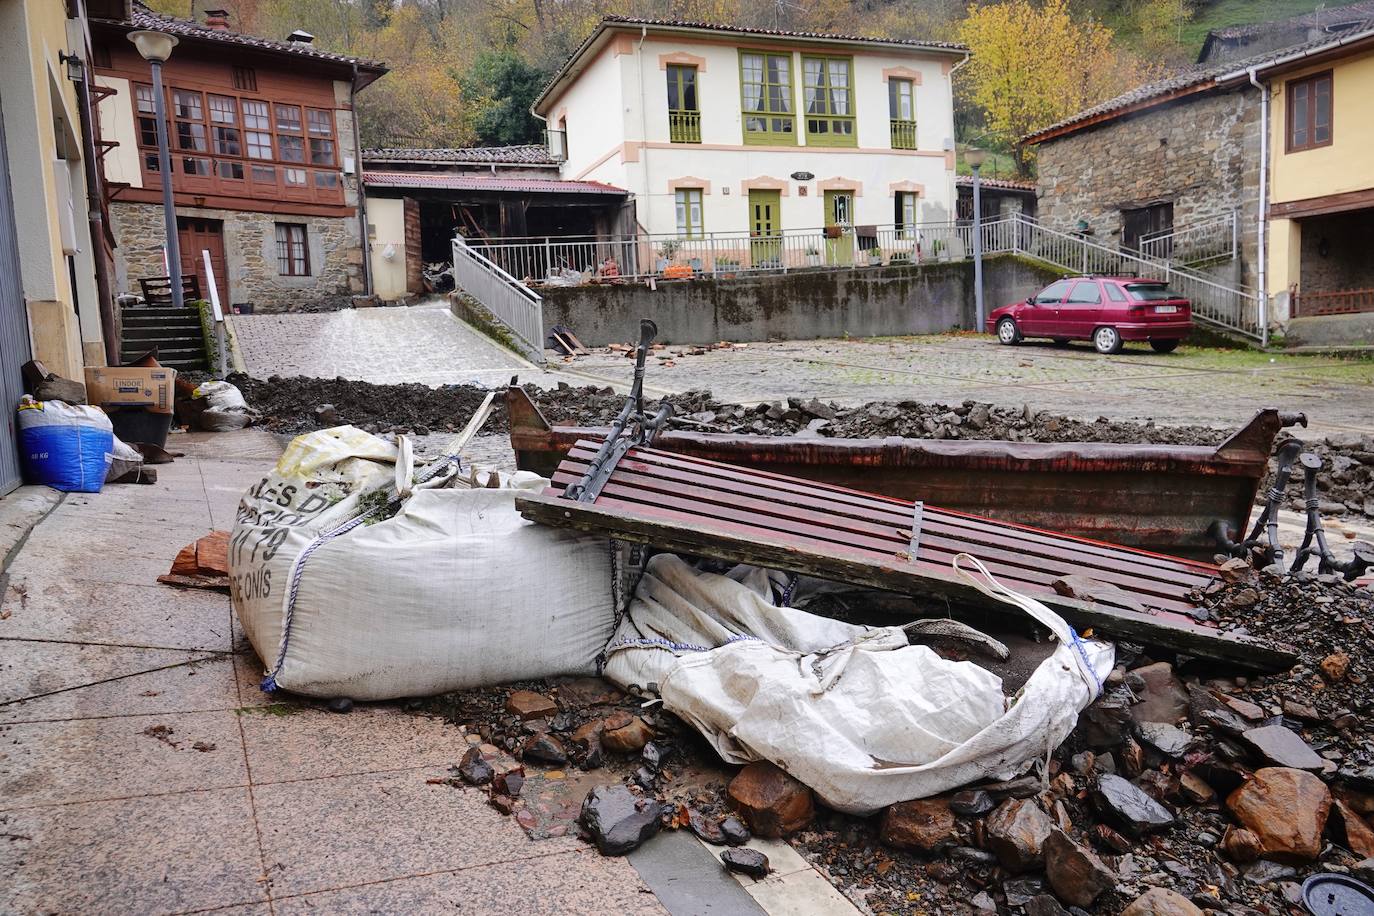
[[717, 541]]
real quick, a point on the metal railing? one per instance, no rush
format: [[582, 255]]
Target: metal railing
[[1333, 302], [684, 126], [567, 261], [1214, 239], [517, 306], [903, 134]]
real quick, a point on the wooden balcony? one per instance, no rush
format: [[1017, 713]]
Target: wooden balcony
[[684, 126], [903, 134], [1333, 302]]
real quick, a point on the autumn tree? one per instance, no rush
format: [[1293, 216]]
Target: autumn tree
[[1033, 65]]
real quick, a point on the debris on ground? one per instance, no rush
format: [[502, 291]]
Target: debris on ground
[[204, 563]]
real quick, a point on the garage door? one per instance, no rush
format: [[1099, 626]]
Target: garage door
[[14, 325]]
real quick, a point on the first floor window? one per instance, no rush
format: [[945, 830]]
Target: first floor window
[[904, 211], [1309, 112], [293, 257], [688, 212]]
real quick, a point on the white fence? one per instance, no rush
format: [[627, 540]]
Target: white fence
[[1211, 240], [517, 306]]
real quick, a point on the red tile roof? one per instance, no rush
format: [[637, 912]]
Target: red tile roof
[[528, 154], [1005, 184], [447, 182]]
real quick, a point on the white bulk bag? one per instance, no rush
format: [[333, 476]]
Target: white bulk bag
[[455, 590], [856, 713]]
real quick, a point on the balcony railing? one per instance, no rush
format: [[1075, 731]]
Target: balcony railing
[[684, 126], [903, 134], [1334, 302]]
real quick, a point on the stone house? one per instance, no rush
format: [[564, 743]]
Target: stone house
[[264, 159]]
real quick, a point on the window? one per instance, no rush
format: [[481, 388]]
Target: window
[[290, 143], [321, 124], [828, 105], [245, 78], [1084, 292], [766, 86], [147, 117], [1052, 294], [684, 115], [1114, 292], [259, 129], [1309, 112], [904, 212], [294, 177], [1150, 292], [293, 257], [224, 116], [689, 212], [901, 110]]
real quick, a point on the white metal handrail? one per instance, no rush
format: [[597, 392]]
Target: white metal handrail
[[1213, 239], [517, 306]]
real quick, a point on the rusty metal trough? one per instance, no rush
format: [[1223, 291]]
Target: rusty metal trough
[[1162, 498]]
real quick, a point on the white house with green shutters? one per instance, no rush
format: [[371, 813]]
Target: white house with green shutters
[[734, 131]]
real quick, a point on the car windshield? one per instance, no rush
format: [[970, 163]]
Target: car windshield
[[1150, 292]]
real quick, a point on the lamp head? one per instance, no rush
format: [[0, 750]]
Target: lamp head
[[975, 157], [154, 46]]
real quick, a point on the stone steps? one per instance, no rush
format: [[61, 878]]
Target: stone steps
[[175, 333]]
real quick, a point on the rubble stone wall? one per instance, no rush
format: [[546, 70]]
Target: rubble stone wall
[[250, 251], [1201, 154], [861, 302]]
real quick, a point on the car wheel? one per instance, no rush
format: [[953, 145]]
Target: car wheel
[[1164, 346], [1107, 340], [1060, 341], [1008, 333]]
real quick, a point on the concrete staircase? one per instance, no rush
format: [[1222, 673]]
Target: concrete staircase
[[175, 332]]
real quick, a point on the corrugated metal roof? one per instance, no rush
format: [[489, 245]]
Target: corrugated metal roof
[[1196, 79], [530, 154], [141, 17], [445, 182]]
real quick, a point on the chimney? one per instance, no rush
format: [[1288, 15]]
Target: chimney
[[300, 37], [217, 20]]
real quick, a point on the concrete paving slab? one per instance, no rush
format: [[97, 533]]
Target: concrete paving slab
[[687, 880], [321, 834], [19, 512], [168, 854], [79, 760]]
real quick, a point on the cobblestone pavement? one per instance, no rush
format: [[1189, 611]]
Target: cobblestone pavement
[[426, 343]]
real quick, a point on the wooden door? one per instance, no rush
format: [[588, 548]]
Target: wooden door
[[196, 235], [765, 229], [839, 218], [1143, 221]]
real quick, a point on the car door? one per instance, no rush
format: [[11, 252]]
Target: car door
[[1039, 313], [1080, 311]]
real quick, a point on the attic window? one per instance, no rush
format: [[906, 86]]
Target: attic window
[[246, 78]]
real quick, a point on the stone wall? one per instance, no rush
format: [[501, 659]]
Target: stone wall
[[802, 305], [1201, 154], [250, 250], [1335, 252]]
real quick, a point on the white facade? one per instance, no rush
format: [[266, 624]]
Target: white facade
[[612, 102]]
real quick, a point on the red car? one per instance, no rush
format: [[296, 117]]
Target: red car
[[1105, 310]]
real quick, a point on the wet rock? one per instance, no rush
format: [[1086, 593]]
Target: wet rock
[[1244, 708], [1364, 870], [971, 803], [1045, 905], [1162, 698], [1236, 569], [1335, 666], [503, 803], [733, 831], [983, 903], [1108, 838], [1169, 740], [617, 820], [544, 748], [326, 415], [771, 802], [1266, 872], [1021, 891], [509, 783], [706, 829], [1286, 809], [1160, 901], [526, 704], [814, 408], [1349, 829], [746, 861], [340, 705], [625, 734], [1128, 808], [582, 692], [924, 824], [1076, 874], [1282, 747], [1195, 788], [1103, 724], [1158, 785], [975, 858], [1295, 710], [654, 755], [1016, 834], [1240, 845], [474, 768]]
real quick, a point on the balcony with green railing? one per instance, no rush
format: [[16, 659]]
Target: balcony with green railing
[[903, 134], [684, 126]]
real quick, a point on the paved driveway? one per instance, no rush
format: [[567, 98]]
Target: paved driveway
[[426, 343]]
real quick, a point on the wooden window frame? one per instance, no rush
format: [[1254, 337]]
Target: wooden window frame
[[293, 250], [683, 198], [769, 136], [831, 137], [1310, 81], [244, 79], [244, 175], [901, 131], [905, 230], [684, 123]]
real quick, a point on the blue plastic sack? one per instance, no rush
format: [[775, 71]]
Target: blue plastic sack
[[63, 446]]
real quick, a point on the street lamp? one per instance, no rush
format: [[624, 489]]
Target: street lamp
[[975, 158], [156, 47]]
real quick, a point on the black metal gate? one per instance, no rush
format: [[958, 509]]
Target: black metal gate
[[14, 325]]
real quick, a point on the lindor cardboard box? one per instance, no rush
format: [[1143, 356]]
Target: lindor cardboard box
[[132, 386]]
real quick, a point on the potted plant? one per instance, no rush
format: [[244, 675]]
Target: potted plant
[[875, 256], [900, 257], [813, 257]]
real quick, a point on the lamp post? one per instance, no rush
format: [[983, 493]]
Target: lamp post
[[975, 158], [156, 47]]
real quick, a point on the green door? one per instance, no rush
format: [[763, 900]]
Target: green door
[[765, 229], [839, 226]]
